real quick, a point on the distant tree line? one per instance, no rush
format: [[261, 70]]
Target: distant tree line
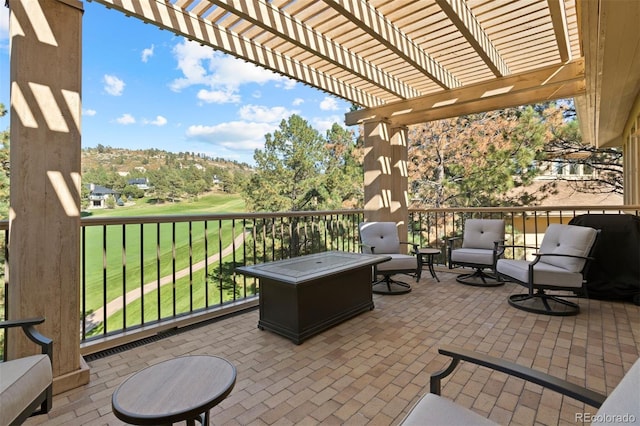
[[472, 160], [169, 182]]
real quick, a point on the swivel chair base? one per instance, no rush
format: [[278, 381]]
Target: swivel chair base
[[389, 286], [479, 278], [542, 303]]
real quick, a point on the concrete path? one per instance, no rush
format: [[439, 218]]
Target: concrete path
[[95, 318]]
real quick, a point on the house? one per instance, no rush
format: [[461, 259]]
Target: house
[[141, 183], [98, 196]]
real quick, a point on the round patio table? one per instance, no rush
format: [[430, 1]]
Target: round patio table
[[427, 253], [180, 389]]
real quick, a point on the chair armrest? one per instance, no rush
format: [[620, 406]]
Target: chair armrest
[[545, 380], [28, 327], [539, 257], [562, 255], [370, 247], [519, 246], [414, 245], [498, 248]]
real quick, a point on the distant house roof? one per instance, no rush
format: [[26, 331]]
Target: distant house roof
[[100, 190], [138, 181]]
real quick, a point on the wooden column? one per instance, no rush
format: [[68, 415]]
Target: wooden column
[[385, 174], [44, 218]]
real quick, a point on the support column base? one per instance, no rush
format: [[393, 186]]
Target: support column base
[[72, 380]]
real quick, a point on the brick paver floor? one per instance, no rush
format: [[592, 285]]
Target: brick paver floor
[[372, 368]]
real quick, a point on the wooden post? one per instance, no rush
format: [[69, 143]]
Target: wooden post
[[385, 175], [44, 218]]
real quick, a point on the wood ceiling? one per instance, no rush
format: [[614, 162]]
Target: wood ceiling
[[405, 61]]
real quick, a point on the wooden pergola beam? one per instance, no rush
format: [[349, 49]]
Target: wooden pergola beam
[[204, 32], [559, 21], [547, 83], [459, 13], [365, 16], [286, 27]]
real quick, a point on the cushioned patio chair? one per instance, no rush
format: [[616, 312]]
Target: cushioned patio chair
[[26, 383], [560, 264], [482, 242], [432, 409], [382, 238]]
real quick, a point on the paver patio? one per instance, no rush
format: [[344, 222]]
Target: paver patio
[[372, 368]]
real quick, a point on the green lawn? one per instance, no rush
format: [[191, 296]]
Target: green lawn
[[149, 250]]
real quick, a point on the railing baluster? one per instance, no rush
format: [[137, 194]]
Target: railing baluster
[[124, 277]]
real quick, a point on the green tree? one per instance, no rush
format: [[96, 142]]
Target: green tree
[[289, 171], [602, 167], [476, 160], [344, 172], [300, 170]]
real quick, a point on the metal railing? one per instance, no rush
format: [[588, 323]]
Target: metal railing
[[525, 226], [143, 271], [142, 275]]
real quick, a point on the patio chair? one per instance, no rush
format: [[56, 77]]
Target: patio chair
[[482, 242], [433, 409], [560, 264], [382, 238], [27, 383]]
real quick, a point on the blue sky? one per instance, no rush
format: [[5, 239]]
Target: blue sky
[[148, 88]]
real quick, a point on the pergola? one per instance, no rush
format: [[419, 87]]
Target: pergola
[[402, 62]]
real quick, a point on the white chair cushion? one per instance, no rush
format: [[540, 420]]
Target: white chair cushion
[[383, 236], [469, 255], [567, 239], [623, 404], [398, 262], [543, 273], [23, 379], [432, 409], [482, 233]]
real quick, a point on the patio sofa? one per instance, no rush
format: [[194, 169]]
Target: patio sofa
[[27, 383]]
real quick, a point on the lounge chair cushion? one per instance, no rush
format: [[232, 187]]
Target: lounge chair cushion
[[482, 233], [433, 409], [623, 401], [567, 239], [471, 255], [382, 236], [398, 262], [544, 274], [23, 380]]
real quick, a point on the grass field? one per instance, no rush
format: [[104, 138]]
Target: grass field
[[130, 256]]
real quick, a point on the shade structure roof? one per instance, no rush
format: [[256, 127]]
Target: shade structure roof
[[411, 61]]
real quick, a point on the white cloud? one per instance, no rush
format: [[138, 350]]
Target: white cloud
[[298, 101], [147, 53], [264, 114], [159, 121], [322, 124], [113, 85], [89, 112], [237, 135], [218, 96], [222, 75], [125, 119], [329, 104]]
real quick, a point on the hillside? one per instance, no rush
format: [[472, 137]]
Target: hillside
[[126, 161]]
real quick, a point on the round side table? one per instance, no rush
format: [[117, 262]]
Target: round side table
[[180, 389], [425, 257]]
